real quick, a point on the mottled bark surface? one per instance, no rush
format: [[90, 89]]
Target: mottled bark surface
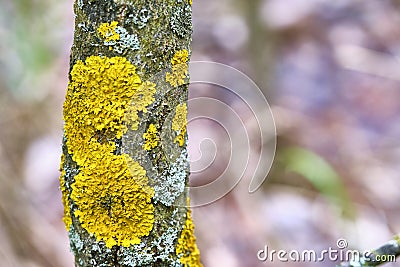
[[124, 165]]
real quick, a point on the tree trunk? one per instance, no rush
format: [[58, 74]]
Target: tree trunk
[[124, 167]]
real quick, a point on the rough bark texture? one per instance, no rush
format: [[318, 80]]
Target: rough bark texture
[[124, 166]]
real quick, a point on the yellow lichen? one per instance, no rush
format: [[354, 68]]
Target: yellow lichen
[[186, 249], [179, 123], [150, 137], [67, 212], [179, 68], [180, 57], [144, 96], [107, 30], [178, 75], [113, 201]]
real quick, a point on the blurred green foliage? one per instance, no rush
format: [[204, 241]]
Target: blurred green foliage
[[320, 174], [30, 40]]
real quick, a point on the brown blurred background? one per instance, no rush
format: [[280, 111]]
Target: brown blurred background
[[330, 72]]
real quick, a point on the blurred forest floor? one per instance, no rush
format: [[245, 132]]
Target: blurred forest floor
[[330, 72]]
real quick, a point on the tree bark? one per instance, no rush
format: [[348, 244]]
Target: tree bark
[[124, 166]]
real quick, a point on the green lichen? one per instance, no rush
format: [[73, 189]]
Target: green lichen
[[171, 183], [181, 21], [141, 17], [126, 42], [80, 3], [75, 239], [117, 38]]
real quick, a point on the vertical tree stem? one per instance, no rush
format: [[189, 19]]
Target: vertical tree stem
[[124, 167]]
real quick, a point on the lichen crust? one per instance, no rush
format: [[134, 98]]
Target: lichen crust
[[179, 123], [107, 30], [111, 191], [67, 212], [186, 248], [179, 72], [171, 183], [117, 38], [151, 137]]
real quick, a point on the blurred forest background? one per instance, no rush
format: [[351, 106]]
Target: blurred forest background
[[331, 74]]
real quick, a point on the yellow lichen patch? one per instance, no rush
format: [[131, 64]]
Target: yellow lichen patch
[[112, 204], [67, 213], [179, 123], [143, 96], [180, 57], [98, 95], [179, 68], [150, 137], [178, 75], [107, 30], [186, 249], [113, 201]]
